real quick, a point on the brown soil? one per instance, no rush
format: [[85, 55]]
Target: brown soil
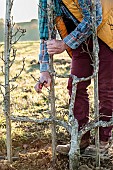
[[37, 155]]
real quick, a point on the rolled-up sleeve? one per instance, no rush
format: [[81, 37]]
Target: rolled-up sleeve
[[43, 57], [84, 29]]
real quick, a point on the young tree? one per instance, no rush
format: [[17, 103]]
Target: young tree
[[8, 48]]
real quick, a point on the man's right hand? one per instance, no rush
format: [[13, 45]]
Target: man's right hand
[[44, 80]]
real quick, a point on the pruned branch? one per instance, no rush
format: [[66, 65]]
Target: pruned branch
[[17, 75], [93, 125], [88, 51], [34, 78], [2, 70], [40, 121], [1, 92], [14, 56], [2, 85], [12, 3], [13, 88], [2, 57], [22, 33], [27, 119]]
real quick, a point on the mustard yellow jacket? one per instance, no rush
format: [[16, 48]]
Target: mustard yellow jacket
[[105, 30]]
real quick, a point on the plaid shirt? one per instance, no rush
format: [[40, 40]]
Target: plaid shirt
[[81, 32]]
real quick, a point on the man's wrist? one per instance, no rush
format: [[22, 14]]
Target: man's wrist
[[65, 45]]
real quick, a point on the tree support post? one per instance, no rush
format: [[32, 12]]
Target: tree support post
[[96, 68]]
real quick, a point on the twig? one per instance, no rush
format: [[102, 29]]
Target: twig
[[2, 57], [13, 88], [14, 56], [17, 75], [22, 31], [1, 92]]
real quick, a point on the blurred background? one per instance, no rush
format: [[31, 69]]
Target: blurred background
[[25, 15]]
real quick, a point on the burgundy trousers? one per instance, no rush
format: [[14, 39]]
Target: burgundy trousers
[[81, 67]]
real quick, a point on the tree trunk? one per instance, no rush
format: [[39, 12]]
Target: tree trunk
[[52, 34], [74, 149], [7, 85]]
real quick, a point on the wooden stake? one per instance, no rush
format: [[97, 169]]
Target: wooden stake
[[96, 68]]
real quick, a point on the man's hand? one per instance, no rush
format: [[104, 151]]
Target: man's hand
[[45, 80], [56, 46]]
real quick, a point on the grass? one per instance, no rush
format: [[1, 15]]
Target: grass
[[24, 100]]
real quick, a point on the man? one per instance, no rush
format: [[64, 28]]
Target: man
[[76, 15]]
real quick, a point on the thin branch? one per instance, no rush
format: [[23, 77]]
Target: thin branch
[[2, 70], [14, 56], [92, 125], [13, 88], [2, 85], [27, 119], [17, 75], [22, 33], [2, 57], [87, 50], [50, 119], [34, 78], [67, 126], [1, 92], [12, 3], [61, 76]]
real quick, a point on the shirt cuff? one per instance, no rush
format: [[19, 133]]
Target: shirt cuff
[[44, 67], [71, 41]]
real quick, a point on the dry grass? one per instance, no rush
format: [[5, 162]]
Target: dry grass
[[32, 142], [26, 102]]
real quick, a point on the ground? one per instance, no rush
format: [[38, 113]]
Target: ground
[[37, 155], [31, 142]]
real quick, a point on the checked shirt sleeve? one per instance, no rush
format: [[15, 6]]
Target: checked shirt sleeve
[[84, 29], [43, 57], [43, 31]]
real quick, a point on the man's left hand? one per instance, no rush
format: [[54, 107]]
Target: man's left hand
[[56, 46]]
